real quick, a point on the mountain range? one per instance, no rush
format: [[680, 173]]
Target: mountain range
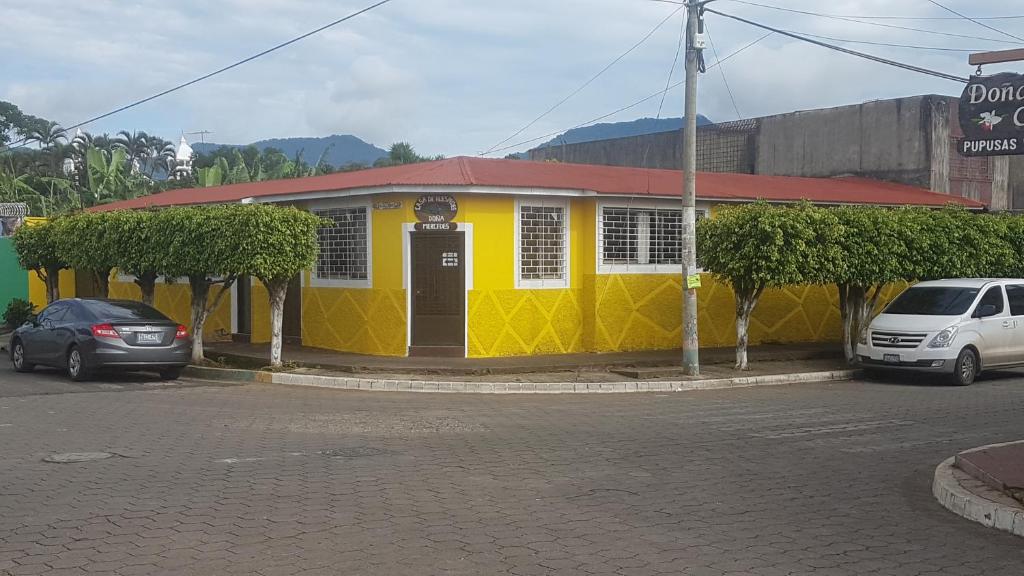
[[345, 149], [341, 149], [620, 130]]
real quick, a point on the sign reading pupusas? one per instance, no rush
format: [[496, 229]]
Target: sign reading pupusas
[[992, 116], [435, 208]]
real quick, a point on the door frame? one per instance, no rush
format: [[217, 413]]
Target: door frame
[[407, 229]]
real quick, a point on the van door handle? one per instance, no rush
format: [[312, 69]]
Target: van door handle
[[1009, 323]]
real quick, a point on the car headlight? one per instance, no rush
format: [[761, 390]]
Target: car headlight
[[863, 338], [944, 338]]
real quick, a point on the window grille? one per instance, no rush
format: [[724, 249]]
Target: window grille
[[641, 236], [343, 247], [542, 243]]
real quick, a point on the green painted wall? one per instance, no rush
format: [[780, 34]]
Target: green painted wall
[[13, 280]]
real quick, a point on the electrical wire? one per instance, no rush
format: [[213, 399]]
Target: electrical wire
[[211, 74], [721, 69], [585, 84], [675, 60], [888, 44], [979, 23], [871, 57], [860, 20], [628, 107], [1007, 17]]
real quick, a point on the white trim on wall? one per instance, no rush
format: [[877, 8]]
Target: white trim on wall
[[407, 229], [342, 202], [532, 284]]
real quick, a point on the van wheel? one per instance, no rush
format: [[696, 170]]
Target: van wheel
[[966, 368]]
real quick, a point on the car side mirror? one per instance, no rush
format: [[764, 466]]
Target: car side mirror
[[985, 310], [48, 324]]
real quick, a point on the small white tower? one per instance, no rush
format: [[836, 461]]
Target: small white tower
[[182, 161]]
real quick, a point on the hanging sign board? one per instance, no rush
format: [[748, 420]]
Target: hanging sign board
[[992, 116], [435, 208]]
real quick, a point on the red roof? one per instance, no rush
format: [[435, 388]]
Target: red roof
[[484, 172]]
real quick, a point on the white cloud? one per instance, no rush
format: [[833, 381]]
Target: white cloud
[[451, 76]]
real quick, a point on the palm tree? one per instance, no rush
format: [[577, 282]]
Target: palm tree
[[137, 147], [47, 133]]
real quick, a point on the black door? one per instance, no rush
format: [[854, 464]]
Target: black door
[[438, 294], [291, 325], [243, 309]]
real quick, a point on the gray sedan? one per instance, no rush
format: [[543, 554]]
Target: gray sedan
[[85, 335]]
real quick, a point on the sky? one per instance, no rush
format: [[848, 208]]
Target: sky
[[454, 77]]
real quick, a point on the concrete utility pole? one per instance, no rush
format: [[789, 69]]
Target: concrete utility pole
[[694, 44]]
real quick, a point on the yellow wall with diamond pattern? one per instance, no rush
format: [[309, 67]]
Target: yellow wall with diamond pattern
[[598, 313], [174, 300]]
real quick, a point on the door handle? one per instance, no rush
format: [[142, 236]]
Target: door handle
[[1009, 323]]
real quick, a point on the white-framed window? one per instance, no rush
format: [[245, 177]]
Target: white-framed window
[[344, 259], [640, 238], [542, 243]]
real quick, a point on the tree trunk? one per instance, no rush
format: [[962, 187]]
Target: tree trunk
[[200, 291], [745, 302], [147, 284], [101, 281], [277, 289], [52, 281], [201, 310], [848, 317]]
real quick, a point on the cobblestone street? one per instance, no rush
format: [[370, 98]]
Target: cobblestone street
[[829, 479]]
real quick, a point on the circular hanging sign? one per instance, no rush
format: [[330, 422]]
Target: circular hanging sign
[[435, 208]]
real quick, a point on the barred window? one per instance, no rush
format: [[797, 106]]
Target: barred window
[[542, 244], [343, 247], [641, 236]]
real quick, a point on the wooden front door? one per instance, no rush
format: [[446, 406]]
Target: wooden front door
[[438, 294], [291, 324]]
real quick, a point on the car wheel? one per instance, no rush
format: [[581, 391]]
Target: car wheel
[[77, 369], [170, 373], [966, 368], [18, 358]]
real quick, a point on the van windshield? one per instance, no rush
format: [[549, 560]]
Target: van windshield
[[933, 301]]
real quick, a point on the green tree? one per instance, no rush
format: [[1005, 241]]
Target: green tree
[[759, 246], [36, 247], [273, 245], [47, 134], [138, 249], [403, 153], [195, 246], [875, 253], [86, 244]]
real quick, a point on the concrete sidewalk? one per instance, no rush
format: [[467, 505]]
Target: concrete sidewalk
[[659, 363], [985, 485]]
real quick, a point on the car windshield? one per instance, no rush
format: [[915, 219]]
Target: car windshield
[[933, 301], [109, 310]]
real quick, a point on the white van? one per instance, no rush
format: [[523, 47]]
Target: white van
[[957, 327]]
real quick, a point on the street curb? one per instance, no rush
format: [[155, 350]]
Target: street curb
[[980, 503], [401, 385], [226, 374]]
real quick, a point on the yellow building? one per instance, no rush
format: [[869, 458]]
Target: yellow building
[[483, 258]]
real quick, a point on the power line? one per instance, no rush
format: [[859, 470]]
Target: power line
[[889, 44], [215, 72], [585, 84], [979, 23], [1008, 17], [721, 69], [628, 107], [871, 57], [675, 60], [860, 20]]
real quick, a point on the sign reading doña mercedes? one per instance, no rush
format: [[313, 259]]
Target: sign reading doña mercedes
[[435, 208], [992, 115]]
